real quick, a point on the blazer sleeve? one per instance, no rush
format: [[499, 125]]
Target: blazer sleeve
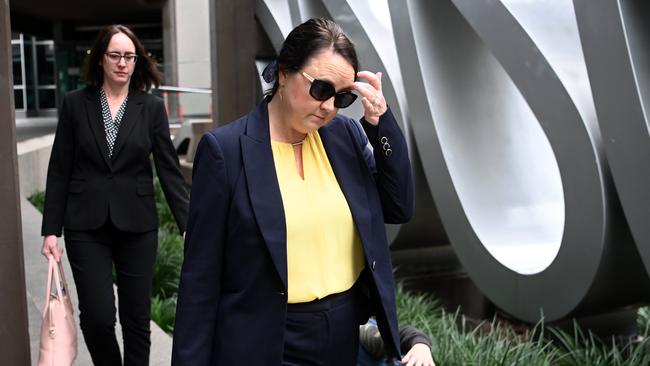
[[200, 283], [58, 173], [168, 167], [392, 168]]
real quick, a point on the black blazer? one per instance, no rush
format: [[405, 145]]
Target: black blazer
[[232, 299], [85, 186]]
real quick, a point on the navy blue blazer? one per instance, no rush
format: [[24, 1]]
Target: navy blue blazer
[[232, 299]]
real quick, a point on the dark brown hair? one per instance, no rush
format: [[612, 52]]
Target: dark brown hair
[[145, 75], [309, 38]]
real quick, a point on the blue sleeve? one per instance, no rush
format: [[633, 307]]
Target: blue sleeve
[[200, 283], [393, 176]]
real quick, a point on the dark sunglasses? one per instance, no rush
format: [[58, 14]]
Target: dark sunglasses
[[324, 90]]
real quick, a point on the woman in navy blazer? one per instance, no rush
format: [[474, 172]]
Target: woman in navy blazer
[[233, 296]]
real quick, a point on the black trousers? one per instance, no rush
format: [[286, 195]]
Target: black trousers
[[92, 255], [325, 332]]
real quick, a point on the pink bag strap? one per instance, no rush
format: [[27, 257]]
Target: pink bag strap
[[63, 281], [56, 270]]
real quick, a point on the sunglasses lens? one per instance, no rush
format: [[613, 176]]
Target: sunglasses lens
[[321, 90], [343, 100]]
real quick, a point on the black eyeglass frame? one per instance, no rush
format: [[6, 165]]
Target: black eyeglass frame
[[127, 57], [322, 90]]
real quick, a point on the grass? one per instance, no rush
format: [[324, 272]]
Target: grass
[[456, 340]]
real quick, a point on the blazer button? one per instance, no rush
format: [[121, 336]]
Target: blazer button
[[385, 146], [388, 152], [372, 266], [282, 293], [383, 139]]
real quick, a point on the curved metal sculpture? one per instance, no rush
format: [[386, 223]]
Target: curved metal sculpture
[[615, 37], [504, 136]]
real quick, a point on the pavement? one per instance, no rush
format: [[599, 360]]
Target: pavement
[[36, 277], [31, 127]]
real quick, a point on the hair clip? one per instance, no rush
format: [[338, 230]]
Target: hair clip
[[269, 71]]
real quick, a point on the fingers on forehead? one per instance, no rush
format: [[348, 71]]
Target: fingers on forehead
[[365, 89], [372, 78]]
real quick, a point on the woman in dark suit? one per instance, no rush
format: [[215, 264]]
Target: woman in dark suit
[[100, 190], [286, 252]]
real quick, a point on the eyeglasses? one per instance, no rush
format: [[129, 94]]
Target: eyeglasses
[[115, 57], [323, 90]]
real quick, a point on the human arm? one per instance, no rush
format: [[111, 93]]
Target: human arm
[[200, 283], [416, 346], [168, 167], [418, 355], [390, 161], [56, 188], [50, 248]]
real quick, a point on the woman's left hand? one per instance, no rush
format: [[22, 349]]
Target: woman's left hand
[[374, 104], [418, 355]]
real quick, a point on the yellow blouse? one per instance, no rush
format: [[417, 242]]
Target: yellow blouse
[[324, 252]]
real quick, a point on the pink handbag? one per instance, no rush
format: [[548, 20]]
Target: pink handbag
[[58, 330]]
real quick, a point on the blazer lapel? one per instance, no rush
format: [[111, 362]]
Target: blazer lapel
[[347, 169], [263, 187], [96, 122], [130, 118]]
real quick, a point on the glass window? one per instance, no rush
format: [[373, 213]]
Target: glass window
[[18, 99], [46, 98], [17, 67], [45, 63], [29, 64]]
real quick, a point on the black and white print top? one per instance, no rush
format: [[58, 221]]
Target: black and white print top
[[111, 126]]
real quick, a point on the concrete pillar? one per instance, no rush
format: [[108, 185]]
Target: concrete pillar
[[233, 44], [14, 335], [187, 55]]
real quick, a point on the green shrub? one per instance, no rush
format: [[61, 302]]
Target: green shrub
[[168, 264], [38, 200], [455, 342], [643, 321], [163, 312], [586, 349], [165, 215]]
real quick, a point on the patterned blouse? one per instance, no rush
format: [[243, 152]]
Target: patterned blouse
[[111, 126]]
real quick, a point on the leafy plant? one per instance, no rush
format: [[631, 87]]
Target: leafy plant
[[165, 215], [163, 312], [38, 200], [168, 264], [582, 348]]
